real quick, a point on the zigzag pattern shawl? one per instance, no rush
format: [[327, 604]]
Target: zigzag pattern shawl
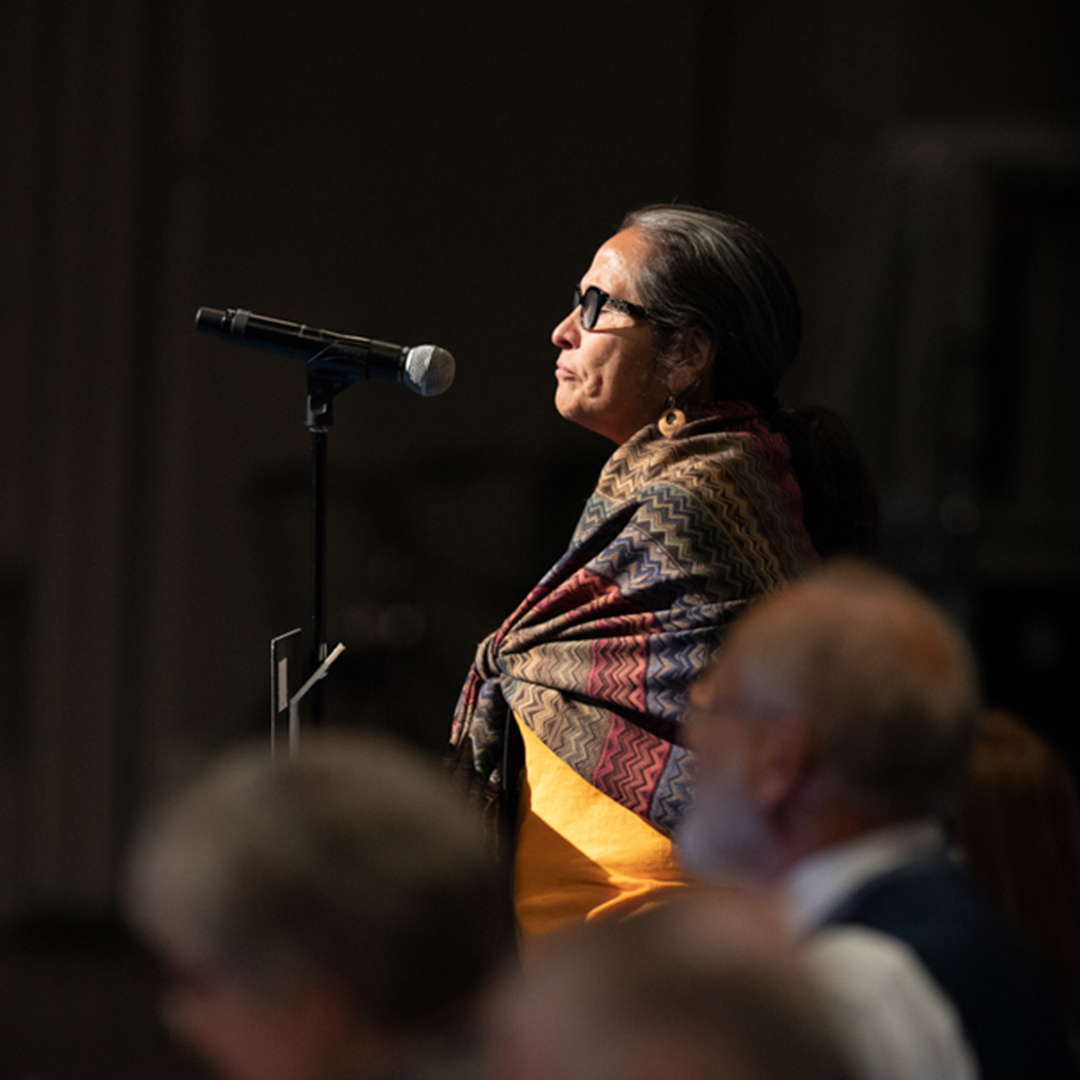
[[679, 535]]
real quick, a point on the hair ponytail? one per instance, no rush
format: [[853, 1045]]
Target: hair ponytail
[[840, 499]]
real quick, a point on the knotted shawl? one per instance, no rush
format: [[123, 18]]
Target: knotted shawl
[[678, 536]]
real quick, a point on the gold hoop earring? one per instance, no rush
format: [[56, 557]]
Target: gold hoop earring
[[671, 421]]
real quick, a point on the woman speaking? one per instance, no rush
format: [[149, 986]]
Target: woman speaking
[[569, 720]]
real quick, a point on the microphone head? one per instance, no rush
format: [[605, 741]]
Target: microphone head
[[428, 370]]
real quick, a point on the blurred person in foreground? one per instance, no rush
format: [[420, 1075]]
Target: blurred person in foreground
[[568, 724], [701, 988], [331, 916], [833, 730], [1019, 834]]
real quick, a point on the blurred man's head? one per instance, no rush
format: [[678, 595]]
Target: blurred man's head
[[845, 702], [318, 915], [703, 988]]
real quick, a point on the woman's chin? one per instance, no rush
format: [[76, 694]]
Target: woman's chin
[[607, 422], [567, 404]]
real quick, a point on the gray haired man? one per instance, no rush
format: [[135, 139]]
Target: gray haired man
[[832, 733]]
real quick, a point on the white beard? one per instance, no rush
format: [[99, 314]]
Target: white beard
[[723, 837]]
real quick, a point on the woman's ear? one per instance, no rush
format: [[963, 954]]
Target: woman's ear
[[698, 352]]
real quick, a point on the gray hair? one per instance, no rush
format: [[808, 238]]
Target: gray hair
[[885, 680], [716, 274], [704, 986], [355, 861]]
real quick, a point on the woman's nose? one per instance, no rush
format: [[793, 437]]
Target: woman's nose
[[568, 333]]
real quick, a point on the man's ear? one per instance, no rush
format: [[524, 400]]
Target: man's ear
[[698, 353], [779, 761]]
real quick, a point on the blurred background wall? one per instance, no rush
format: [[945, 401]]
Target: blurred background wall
[[443, 172]]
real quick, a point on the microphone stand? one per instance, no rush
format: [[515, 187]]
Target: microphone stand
[[320, 416], [334, 368], [326, 378]]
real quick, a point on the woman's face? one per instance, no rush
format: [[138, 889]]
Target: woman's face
[[608, 377]]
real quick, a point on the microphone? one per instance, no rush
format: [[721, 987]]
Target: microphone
[[426, 369]]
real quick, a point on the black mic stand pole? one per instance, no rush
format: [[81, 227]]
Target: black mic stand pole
[[320, 415], [328, 372]]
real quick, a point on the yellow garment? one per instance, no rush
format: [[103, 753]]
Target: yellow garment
[[581, 855]]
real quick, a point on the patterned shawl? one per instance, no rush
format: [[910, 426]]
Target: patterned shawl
[[678, 536]]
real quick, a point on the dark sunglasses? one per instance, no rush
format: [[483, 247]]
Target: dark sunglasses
[[592, 301]]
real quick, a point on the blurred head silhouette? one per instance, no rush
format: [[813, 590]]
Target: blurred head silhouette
[[324, 916], [841, 704], [702, 988], [1019, 831]]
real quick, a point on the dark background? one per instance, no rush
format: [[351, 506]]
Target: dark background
[[443, 172]]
